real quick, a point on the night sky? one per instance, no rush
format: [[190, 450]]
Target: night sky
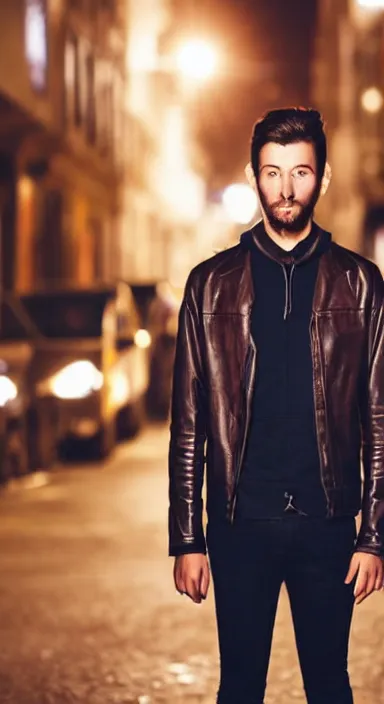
[[265, 48]]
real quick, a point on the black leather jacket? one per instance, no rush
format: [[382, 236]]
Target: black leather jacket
[[214, 380]]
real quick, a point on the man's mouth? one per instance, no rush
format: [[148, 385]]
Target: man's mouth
[[285, 206]]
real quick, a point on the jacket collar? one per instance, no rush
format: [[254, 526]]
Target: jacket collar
[[317, 242]]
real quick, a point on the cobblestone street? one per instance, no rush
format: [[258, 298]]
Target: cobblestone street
[[88, 612]]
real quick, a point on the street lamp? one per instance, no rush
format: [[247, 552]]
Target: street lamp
[[371, 4], [197, 59], [240, 203]]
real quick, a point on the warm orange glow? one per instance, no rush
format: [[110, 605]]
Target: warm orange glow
[[197, 59], [84, 240], [26, 214], [372, 100]]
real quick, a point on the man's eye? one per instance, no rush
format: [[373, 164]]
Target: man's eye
[[272, 173], [302, 173]]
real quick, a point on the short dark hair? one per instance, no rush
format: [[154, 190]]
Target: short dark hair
[[289, 125]]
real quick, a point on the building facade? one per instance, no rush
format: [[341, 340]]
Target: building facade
[[348, 81], [62, 76]]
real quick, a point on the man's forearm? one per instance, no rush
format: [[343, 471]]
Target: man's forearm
[[188, 434]]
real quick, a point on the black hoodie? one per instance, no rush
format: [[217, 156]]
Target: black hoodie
[[282, 467]]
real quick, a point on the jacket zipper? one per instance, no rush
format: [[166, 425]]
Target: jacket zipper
[[316, 374], [249, 386], [287, 311]]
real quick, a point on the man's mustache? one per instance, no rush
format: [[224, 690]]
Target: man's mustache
[[285, 203]]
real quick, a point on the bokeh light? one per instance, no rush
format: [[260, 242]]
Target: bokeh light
[[197, 59], [371, 4], [8, 390], [240, 203], [143, 339], [372, 100]]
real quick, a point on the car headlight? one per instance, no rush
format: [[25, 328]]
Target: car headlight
[[77, 380], [8, 390]]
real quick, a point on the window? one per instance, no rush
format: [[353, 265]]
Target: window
[[69, 314], [104, 107], [118, 115], [90, 115], [72, 81], [94, 97], [15, 323], [50, 255], [96, 230], [36, 49]]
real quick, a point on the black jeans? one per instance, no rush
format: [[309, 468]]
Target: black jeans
[[249, 562]]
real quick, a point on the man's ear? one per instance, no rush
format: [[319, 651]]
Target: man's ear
[[250, 174], [326, 180]]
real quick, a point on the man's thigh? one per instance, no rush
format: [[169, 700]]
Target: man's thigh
[[322, 605], [247, 569]]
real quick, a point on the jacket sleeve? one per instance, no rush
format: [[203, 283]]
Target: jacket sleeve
[[371, 535], [188, 432]]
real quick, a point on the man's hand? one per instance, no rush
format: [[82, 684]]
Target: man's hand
[[370, 575], [191, 575]]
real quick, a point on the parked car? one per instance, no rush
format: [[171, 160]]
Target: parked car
[[90, 369], [17, 333]]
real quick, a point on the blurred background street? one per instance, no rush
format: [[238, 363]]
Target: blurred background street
[[124, 134], [88, 611]]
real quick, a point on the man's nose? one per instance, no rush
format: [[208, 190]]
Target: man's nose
[[287, 188]]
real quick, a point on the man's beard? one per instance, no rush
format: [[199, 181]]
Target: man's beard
[[295, 222]]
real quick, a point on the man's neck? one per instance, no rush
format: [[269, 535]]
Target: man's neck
[[287, 240]]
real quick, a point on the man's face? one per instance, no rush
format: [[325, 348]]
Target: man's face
[[288, 184]]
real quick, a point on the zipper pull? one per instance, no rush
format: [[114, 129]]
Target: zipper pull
[[289, 505]]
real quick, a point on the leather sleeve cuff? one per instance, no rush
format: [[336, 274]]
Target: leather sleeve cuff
[[370, 545], [187, 549]]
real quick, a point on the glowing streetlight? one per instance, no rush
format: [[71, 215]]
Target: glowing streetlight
[[372, 100], [240, 203], [371, 4], [197, 59]]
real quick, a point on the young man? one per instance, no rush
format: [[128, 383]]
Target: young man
[[279, 390]]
